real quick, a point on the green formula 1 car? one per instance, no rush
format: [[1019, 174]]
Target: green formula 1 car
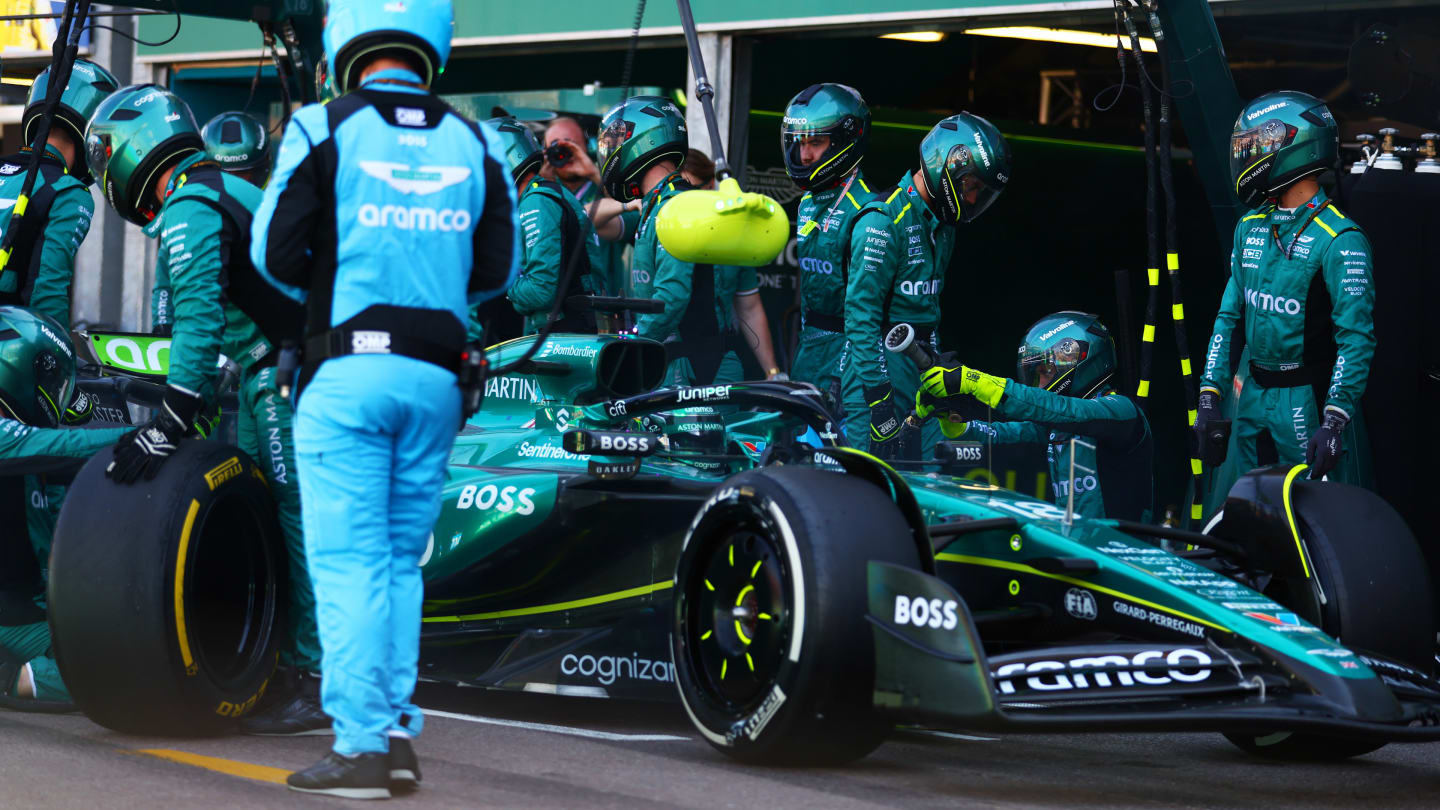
[[601, 537]]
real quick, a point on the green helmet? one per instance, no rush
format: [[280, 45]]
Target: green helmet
[[522, 151], [1068, 353], [37, 367], [829, 110], [137, 133], [634, 136], [965, 163], [238, 142], [88, 86], [1278, 139]]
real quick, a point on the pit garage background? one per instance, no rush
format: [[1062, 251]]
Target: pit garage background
[[1072, 217]]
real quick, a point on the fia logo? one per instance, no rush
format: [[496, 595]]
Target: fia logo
[[1080, 603]]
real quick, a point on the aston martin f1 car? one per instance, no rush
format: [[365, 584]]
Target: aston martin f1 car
[[602, 537]]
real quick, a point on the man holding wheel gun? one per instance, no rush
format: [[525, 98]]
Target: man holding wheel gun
[[1097, 440], [1301, 278], [158, 175], [900, 247], [389, 214]]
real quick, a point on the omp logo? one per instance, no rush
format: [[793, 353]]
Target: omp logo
[[1184, 665], [410, 116], [1056, 330], [503, 499], [938, 614], [407, 180], [607, 668], [1272, 303], [10, 168], [931, 287], [367, 342], [1263, 110], [223, 472], [817, 266], [413, 218]]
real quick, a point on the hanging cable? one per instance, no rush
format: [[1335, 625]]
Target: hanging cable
[[573, 260], [1172, 260], [166, 41], [62, 58], [1152, 236]]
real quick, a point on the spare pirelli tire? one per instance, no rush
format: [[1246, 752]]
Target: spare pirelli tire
[[165, 595], [774, 660]]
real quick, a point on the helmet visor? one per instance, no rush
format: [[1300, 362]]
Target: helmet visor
[[1252, 150], [52, 387], [1044, 367], [612, 138], [967, 192], [97, 153]]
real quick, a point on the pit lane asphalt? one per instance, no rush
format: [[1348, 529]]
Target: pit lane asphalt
[[604, 754]]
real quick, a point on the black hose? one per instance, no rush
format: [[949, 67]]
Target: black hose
[[703, 90], [62, 58], [1152, 236]]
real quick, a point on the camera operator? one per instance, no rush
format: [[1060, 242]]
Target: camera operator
[[568, 162]]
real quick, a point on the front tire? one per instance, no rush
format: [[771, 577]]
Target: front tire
[[1372, 572], [165, 595], [774, 661]]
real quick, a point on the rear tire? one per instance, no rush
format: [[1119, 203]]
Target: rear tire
[[165, 595], [773, 658], [1372, 572]]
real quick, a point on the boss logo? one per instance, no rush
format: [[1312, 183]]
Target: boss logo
[[938, 614], [627, 444]]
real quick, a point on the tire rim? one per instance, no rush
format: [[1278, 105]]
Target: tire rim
[[737, 616]]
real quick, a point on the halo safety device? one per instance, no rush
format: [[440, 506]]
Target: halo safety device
[[1280, 138], [355, 29]]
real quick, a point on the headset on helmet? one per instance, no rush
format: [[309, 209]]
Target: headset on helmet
[[356, 29], [135, 135], [89, 85]]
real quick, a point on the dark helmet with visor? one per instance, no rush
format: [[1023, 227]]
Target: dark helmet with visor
[[37, 367], [827, 110], [135, 135], [521, 149], [238, 142], [965, 163], [1068, 353], [1280, 138], [89, 85], [635, 135]]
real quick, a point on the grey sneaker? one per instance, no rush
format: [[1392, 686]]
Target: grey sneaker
[[363, 776]]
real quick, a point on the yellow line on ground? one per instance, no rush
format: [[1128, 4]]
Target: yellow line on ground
[[260, 773]]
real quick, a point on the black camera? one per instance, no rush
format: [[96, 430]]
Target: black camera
[[557, 154]]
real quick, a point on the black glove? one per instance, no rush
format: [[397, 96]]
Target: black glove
[[1323, 452], [885, 420], [144, 449], [81, 409], [1207, 410]]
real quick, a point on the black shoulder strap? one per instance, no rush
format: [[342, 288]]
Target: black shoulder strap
[[571, 241], [278, 316], [25, 258]]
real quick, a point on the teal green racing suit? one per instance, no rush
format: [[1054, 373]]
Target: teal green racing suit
[[731, 282], [197, 244], [607, 258], [1110, 472], [689, 325], [1286, 268], [34, 453], [899, 251], [542, 229], [56, 221], [821, 234]]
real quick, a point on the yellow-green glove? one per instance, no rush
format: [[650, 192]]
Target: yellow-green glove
[[953, 425], [943, 383]]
